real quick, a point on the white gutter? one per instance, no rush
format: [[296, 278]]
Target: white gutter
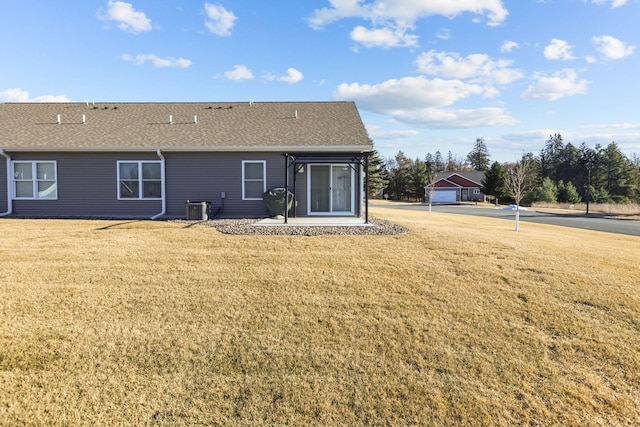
[[164, 186], [222, 149], [9, 199]]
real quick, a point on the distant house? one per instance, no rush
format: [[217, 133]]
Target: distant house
[[123, 160], [453, 187]]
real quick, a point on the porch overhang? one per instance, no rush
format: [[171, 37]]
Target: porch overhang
[[359, 161]]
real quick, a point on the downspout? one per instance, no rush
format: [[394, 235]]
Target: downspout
[[9, 199], [164, 186]]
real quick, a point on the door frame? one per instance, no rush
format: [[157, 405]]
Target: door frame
[[352, 190]]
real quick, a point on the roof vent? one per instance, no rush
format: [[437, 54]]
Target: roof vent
[[170, 119], [84, 119], [295, 114], [59, 121], [195, 120]]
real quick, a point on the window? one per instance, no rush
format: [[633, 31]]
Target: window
[[139, 180], [476, 191], [35, 180], [254, 182]]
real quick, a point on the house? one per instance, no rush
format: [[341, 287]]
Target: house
[[146, 160], [453, 187]]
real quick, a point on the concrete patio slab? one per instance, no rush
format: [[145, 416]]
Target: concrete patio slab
[[315, 222]]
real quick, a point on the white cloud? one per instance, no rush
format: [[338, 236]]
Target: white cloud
[[377, 132], [220, 20], [440, 118], [404, 13], [407, 93], [508, 46], [383, 37], [478, 68], [127, 17], [558, 85], [444, 34], [19, 95], [558, 49], [534, 136], [239, 72], [157, 61], [293, 76], [614, 3], [612, 126], [612, 48], [420, 101], [392, 19]]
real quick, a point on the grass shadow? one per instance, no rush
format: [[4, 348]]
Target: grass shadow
[[120, 224]]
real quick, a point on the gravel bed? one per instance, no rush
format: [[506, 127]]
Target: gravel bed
[[245, 226]]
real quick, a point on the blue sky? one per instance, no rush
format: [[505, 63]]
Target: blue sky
[[426, 75]]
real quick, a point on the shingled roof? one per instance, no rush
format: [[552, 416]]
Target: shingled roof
[[210, 126]]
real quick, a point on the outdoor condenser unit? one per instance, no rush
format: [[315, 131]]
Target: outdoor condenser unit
[[197, 211]]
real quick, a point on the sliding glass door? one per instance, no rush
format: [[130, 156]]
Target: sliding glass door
[[331, 189]]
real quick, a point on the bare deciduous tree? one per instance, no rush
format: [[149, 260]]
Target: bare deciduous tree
[[520, 183], [430, 187]]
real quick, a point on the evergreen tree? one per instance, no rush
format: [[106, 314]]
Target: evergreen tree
[[600, 195], [567, 193], [549, 159], [635, 161], [546, 192], [496, 181], [399, 176], [430, 163], [568, 163], [617, 174], [439, 162], [377, 174], [418, 179], [478, 158]]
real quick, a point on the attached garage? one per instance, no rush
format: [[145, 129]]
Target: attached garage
[[444, 196]]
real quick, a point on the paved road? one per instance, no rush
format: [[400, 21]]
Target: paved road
[[591, 222]]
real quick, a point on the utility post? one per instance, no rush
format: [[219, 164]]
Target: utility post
[[589, 159]]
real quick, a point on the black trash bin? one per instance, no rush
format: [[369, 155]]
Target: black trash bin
[[274, 199]]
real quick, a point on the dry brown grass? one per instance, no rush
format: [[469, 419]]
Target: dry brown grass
[[460, 322], [616, 209]]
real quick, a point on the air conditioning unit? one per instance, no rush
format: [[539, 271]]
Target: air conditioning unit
[[197, 211]]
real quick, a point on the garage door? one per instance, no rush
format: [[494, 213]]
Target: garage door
[[440, 196]]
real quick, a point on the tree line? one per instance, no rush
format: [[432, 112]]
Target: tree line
[[560, 172]]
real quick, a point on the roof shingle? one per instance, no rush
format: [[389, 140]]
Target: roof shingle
[[258, 126]]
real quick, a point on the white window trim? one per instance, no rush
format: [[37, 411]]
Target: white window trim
[[476, 191], [140, 180], [34, 179], [264, 178]]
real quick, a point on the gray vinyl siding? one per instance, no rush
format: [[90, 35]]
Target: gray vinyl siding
[[301, 188], [87, 187], [204, 176]]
